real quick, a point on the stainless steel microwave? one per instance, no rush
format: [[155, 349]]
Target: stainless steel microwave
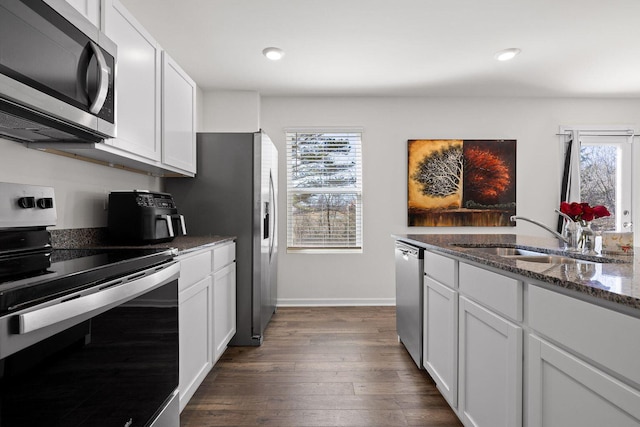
[[57, 74]]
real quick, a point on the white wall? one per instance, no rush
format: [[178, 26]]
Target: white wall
[[388, 123], [81, 188], [231, 111]]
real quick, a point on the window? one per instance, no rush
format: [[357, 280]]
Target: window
[[324, 190], [603, 175], [605, 178]]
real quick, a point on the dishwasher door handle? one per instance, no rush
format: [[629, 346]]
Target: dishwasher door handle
[[408, 252]]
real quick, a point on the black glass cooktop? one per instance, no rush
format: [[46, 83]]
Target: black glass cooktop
[[27, 279]]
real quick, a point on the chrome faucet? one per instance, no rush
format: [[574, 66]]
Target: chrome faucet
[[563, 239]]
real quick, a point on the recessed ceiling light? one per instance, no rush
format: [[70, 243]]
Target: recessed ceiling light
[[507, 54], [273, 53]]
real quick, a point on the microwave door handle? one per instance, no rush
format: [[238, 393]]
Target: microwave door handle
[[103, 80], [169, 222]]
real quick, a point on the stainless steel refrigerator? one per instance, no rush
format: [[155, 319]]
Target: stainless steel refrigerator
[[235, 192]]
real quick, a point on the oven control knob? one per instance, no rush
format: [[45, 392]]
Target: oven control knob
[[27, 202], [45, 203]]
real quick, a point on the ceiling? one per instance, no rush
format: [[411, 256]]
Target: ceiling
[[583, 48]]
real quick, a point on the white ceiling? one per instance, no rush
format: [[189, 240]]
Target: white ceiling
[[585, 48]]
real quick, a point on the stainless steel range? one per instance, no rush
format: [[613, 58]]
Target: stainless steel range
[[88, 337]]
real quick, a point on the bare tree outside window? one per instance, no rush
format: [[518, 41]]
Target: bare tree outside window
[[324, 190], [598, 181]]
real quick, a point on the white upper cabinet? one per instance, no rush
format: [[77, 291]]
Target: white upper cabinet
[[178, 116], [90, 9], [138, 76], [155, 101]]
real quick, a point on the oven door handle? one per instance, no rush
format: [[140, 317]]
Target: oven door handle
[[84, 307]]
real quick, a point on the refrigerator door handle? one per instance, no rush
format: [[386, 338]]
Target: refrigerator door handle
[[272, 195]]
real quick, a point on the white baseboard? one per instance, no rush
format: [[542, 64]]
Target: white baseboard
[[335, 302]]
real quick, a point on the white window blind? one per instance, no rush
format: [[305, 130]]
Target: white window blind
[[324, 190]]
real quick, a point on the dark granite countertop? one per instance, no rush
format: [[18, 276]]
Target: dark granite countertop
[[185, 244], [611, 279], [97, 238]]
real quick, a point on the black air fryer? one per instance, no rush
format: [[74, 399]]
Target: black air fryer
[[143, 217]]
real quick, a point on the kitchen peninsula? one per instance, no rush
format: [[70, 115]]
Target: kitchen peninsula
[[519, 332]]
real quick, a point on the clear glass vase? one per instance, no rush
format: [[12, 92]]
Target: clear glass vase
[[572, 231], [587, 239]]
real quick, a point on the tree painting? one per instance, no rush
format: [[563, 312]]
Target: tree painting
[[461, 182], [441, 172]]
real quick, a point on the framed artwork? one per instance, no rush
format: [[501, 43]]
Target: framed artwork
[[461, 182]]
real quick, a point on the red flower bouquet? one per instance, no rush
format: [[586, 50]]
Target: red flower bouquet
[[580, 212]]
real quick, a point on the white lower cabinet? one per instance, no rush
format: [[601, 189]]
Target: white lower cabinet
[[207, 313], [440, 343], [490, 352], [566, 391], [224, 297], [580, 367], [195, 319]]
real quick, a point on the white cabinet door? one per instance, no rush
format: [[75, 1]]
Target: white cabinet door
[[224, 297], [137, 83], [490, 352], [440, 338], [195, 333], [90, 9], [178, 116], [565, 391]]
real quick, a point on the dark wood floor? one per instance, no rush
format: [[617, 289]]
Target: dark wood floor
[[338, 366]]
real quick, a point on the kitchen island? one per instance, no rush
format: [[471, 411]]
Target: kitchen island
[[607, 278], [515, 339]]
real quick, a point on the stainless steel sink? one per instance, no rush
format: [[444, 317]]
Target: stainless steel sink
[[550, 259], [508, 252], [531, 256]]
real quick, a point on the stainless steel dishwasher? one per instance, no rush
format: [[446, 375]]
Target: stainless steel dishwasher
[[409, 280]]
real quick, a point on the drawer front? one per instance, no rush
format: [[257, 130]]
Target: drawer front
[[605, 336], [223, 255], [193, 269], [500, 293], [440, 268]]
